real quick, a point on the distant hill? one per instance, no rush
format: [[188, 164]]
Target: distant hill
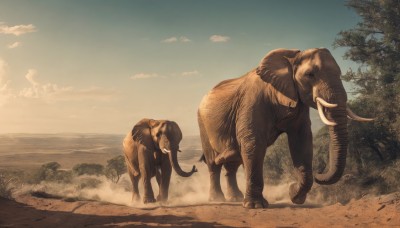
[[33, 150]]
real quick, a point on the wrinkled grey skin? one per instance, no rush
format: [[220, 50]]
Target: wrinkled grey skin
[[145, 156], [239, 118]]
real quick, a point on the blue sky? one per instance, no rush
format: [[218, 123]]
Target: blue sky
[[99, 66]]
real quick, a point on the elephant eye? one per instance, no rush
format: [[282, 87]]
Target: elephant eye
[[310, 74], [158, 134]]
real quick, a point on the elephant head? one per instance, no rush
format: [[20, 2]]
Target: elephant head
[[312, 77], [166, 136]]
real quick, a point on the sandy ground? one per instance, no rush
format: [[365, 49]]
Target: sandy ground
[[30, 211]]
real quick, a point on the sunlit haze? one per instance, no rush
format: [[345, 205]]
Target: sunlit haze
[[98, 66]]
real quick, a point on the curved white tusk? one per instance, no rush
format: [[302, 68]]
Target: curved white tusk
[[353, 116], [166, 151], [322, 116], [324, 103]]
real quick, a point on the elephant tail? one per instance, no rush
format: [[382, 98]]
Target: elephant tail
[[202, 159]]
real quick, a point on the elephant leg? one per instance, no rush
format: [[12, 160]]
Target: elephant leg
[[216, 193], [146, 167], [164, 180], [134, 175], [253, 159], [135, 187], [301, 150], [233, 192], [158, 177]]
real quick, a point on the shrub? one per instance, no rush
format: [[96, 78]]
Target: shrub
[[88, 169], [278, 165], [88, 182], [7, 185], [45, 172]]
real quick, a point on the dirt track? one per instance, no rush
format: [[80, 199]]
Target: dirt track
[[47, 212]]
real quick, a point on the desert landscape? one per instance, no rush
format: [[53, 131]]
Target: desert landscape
[[48, 203]]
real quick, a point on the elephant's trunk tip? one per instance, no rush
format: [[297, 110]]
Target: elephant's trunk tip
[[323, 179], [175, 165]]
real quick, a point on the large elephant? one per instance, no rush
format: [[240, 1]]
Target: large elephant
[[239, 118], [151, 150]]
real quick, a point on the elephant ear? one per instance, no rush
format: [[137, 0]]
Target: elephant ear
[[141, 131], [276, 68]]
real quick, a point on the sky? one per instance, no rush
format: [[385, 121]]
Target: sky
[[99, 66]]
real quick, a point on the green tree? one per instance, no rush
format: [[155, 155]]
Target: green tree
[[50, 172], [45, 172], [321, 150], [375, 45], [278, 165], [88, 169], [115, 168]]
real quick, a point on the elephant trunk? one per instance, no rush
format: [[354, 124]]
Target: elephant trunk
[[337, 148], [173, 158]]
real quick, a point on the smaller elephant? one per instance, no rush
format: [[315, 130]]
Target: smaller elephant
[[151, 150]]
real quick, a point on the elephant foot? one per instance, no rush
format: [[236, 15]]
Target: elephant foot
[[149, 200], [235, 197], [255, 203], [161, 198], [135, 197], [216, 197], [295, 194]]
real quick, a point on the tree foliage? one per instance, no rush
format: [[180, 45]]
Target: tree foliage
[[51, 172], [278, 165], [374, 148], [115, 168], [375, 45], [88, 169]]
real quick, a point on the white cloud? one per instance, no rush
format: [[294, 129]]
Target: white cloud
[[91, 93], [190, 73], [3, 66], [144, 76], [31, 75], [14, 45], [4, 82], [16, 30], [170, 40], [182, 39], [219, 38], [5, 90], [51, 92]]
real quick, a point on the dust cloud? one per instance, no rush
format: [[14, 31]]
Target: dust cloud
[[192, 190]]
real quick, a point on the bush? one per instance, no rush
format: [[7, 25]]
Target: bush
[[7, 184], [88, 182], [88, 169], [45, 172], [62, 176], [49, 172], [278, 165], [364, 174], [391, 177]]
